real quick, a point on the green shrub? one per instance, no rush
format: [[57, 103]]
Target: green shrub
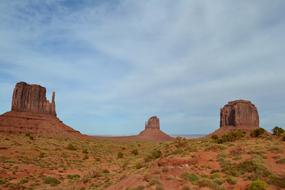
[[257, 132], [154, 155], [73, 177], [258, 185], [85, 151], [71, 147], [215, 137], [278, 131], [281, 161], [139, 165], [231, 180], [190, 177], [120, 155], [51, 181], [2, 181], [230, 137]]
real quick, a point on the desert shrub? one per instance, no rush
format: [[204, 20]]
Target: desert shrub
[[2, 181], [278, 131], [51, 181], [85, 151], [257, 132], [190, 177], [231, 180], [253, 167], [281, 161], [283, 138], [71, 147], [73, 176], [135, 152], [154, 155], [277, 181], [140, 187], [180, 142], [258, 185], [106, 171], [215, 137], [230, 137], [120, 155], [139, 165]]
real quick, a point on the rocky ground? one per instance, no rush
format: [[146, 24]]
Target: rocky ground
[[31, 162]]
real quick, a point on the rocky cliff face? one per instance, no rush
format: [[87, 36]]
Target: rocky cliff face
[[239, 113], [32, 98], [152, 123], [33, 113]]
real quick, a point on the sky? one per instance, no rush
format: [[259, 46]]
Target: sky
[[115, 63]]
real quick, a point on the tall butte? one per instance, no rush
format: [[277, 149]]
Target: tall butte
[[152, 131], [31, 112], [238, 114]]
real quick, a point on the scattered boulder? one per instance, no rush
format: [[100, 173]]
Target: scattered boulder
[[152, 131], [32, 113]]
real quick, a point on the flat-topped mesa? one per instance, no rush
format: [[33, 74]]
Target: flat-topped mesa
[[239, 113], [32, 98], [152, 123]]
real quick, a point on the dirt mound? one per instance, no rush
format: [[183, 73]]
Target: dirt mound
[[34, 123]]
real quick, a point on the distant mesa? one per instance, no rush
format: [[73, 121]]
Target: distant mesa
[[152, 131], [238, 114], [31, 112]]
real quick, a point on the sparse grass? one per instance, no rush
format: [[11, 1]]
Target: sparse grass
[[258, 185], [257, 132], [190, 177], [71, 147], [51, 181]]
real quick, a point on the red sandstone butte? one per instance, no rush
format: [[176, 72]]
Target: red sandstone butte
[[32, 98], [238, 114], [31, 112], [152, 131]]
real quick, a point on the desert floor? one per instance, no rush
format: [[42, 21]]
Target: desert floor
[[32, 162]]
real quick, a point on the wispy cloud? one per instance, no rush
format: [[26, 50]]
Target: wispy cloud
[[115, 63]]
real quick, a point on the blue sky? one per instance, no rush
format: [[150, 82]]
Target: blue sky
[[115, 63]]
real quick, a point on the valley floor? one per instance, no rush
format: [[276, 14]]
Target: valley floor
[[31, 162]]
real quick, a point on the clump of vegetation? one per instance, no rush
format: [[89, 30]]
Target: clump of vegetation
[[190, 177], [154, 155], [281, 161], [73, 177], [231, 180], [120, 155], [229, 137], [180, 142], [135, 152], [51, 181], [258, 185], [278, 131], [139, 165], [257, 132], [30, 136], [71, 147], [85, 151]]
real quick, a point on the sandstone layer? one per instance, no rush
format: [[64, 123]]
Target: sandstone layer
[[152, 131], [31, 112]]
